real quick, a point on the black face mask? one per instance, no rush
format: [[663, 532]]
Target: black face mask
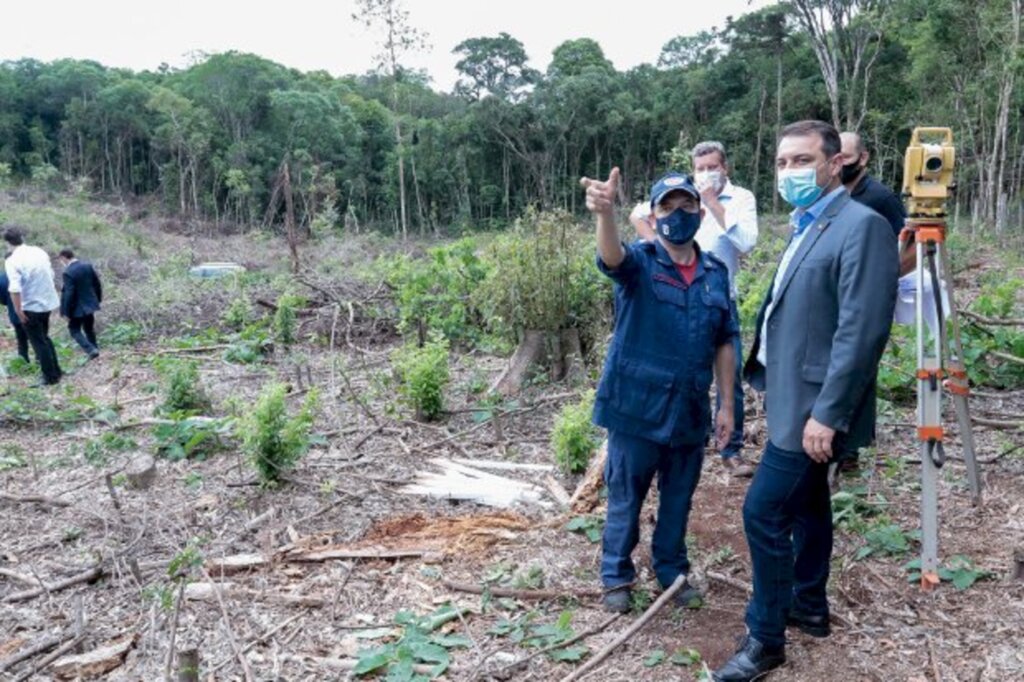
[[850, 171]]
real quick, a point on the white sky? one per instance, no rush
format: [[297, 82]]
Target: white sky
[[311, 35]]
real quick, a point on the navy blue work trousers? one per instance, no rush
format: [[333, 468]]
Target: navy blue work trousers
[[787, 516], [632, 464]]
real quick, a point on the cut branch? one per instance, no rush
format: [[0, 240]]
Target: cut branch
[[526, 595]]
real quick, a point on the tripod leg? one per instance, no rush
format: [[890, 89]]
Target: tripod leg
[[929, 430], [957, 382]]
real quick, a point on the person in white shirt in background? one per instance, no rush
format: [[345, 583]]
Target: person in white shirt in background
[[34, 296], [729, 230]]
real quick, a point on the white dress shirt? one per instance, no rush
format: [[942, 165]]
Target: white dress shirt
[[31, 275], [739, 234]]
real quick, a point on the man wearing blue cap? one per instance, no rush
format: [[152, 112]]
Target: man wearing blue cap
[[673, 325]]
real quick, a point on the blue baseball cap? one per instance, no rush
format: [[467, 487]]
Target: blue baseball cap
[[670, 182]]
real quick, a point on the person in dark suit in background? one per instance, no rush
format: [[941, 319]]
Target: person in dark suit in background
[[821, 332], [19, 331], [79, 301]]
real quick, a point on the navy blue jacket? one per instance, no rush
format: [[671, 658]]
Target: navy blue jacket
[[660, 361], [5, 298], [82, 292]]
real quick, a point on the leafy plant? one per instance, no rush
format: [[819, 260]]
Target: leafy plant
[[655, 658], [886, 539], [435, 293], [417, 645], [238, 313], [423, 375], [544, 278], [685, 657], [98, 450], [531, 579], [190, 438], [574, 438], [524, 632], [273, 440], [960, 571], [183, 392], [590, 526], [285, 317]]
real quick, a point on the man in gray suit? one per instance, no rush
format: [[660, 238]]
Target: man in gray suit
[[821, 332]]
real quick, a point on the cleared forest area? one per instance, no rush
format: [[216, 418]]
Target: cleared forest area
[[141, 521]]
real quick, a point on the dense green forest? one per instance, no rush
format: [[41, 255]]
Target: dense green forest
[[385, 151]]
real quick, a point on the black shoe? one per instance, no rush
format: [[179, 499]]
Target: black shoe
[[810, 624], [94, 354], [751, 662], [689, 597], [618, 600]]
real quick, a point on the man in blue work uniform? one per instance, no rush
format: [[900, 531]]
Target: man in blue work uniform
[[673, 325]]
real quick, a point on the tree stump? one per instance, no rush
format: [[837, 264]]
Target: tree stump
[[529, 352], [141, 472], [188, 665], [588, 493]]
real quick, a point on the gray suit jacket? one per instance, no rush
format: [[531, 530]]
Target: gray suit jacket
[[829, 324]]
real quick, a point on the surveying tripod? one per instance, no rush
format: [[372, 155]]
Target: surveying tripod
[[940, 365]]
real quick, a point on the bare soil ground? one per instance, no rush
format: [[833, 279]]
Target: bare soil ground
[[345, 493]]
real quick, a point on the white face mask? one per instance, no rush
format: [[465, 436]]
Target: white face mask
[[710, 178]]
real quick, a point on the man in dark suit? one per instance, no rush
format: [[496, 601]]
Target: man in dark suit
[[79, 300], [821, 332], [19, 330]]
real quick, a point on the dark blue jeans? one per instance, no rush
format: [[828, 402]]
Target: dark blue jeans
[[83, 330], [787, 517], [632, 464], [736, 438]]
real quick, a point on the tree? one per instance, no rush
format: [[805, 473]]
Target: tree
[[846, 36], [399, 38], [683, 52], [493, 66]]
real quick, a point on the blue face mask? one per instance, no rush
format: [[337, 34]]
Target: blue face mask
[[799, 186], [679, 226]]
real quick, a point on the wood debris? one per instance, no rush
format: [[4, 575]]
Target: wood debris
[[95, 663], [460, 482]]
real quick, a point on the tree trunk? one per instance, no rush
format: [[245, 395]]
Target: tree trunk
[[528, 354], [401, 177], [289, 218]]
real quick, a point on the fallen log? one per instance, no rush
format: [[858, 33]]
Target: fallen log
[[36, 648], [526, 595], [207, 592], [86, 576], [330, 554], [94, 663], [37, 499]]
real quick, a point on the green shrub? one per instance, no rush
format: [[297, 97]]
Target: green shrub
[[543, 277], [435, 293], [284, 318], [272, 440], [574, 438], [238, 314], [183, 393], [423, 375]]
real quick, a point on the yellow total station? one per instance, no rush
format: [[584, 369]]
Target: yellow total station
[[928, 172]]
